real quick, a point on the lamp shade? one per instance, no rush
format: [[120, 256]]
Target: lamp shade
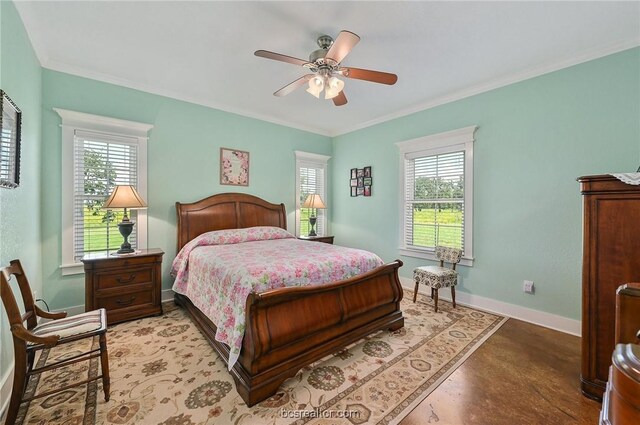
[[334, 87], [316, 85], [124, 197], [314, 201]]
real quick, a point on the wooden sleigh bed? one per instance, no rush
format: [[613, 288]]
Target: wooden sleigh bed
[[288, 328]]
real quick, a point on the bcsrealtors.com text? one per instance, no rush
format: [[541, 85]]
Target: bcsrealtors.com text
[[319, 413]]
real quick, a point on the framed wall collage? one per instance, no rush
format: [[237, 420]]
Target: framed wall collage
[[361, 181]]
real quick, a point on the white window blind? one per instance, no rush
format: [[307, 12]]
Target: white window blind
[[434, 200], [101, 161], [312, 180]]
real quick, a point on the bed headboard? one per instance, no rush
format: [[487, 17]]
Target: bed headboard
[[226, 211]]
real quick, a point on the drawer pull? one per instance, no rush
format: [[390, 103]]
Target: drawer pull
[[126, 302], [127, 280]]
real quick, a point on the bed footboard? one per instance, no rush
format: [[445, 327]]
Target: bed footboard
[[289, 328]]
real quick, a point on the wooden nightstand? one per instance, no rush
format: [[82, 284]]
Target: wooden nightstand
[[325, 239], [128, 287]]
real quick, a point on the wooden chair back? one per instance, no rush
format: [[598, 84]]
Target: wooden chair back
[[16, 319], [26, 342]]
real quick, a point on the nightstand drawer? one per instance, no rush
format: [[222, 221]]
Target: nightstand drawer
[[119, 301], [117, 262], [124, 277], [128, 287]]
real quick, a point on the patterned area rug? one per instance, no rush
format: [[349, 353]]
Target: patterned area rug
[[163, 371]]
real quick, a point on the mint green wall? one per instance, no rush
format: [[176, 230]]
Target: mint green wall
[[20, 208], [183, 158], [534, 138]]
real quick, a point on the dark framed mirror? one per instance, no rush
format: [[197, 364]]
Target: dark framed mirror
[[10, 125]]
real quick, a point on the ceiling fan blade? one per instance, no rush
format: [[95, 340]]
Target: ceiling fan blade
[[293, 86], [368, 75], [342, 46], [340, 99], [279, 57]]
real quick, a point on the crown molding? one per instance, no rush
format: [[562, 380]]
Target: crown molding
[[497, 83], [122, 82], [24, 9], [536, 71], [439, 140], [309, 156], [101, 123]]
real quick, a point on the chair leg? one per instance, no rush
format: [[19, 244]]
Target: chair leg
[[432, 289], [31, 355], [453, 296], [19, 385], [435, 299], [104, 362], [415, 293]]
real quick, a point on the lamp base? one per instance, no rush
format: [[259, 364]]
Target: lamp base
[[125, 227], [312, 223], [115, 254]]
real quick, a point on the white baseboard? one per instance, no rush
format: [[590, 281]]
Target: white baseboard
[[547, 320], [167, 295], [6, 385], [76, 309]]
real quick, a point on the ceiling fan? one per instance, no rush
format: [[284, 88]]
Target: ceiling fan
[[324, 64]]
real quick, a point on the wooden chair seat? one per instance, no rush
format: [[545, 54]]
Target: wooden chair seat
[[72, 328], [27, 340]]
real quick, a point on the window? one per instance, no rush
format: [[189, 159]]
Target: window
[[311, 177], [437, 176], [99, 153], [100, 163]]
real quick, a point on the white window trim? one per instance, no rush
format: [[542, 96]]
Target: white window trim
[[314, 158], [434, 144], [71, 121]]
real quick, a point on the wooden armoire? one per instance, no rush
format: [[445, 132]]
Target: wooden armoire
[[611, 257]]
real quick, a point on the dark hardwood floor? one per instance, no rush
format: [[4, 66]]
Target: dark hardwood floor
[[523, 374]]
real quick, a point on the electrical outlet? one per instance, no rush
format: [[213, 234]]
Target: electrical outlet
[[35, 295], [528, 287]]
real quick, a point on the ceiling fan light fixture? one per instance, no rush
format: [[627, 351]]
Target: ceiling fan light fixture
[[335, 86], [316, 85], [324, 69]]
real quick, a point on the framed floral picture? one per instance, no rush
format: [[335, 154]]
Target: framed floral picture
[[234, 167]]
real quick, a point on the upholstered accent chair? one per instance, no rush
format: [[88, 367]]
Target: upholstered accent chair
[[437, 277], [27, 340]]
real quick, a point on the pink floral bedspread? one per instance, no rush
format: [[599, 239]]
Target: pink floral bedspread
[[218, 270]]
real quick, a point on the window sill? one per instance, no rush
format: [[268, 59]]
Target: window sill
[[72, 269], [429, 255]]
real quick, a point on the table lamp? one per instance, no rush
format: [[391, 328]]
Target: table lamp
[[313, 201], [125, 196]]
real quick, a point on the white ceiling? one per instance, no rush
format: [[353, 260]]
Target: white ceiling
[[202, 52]]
